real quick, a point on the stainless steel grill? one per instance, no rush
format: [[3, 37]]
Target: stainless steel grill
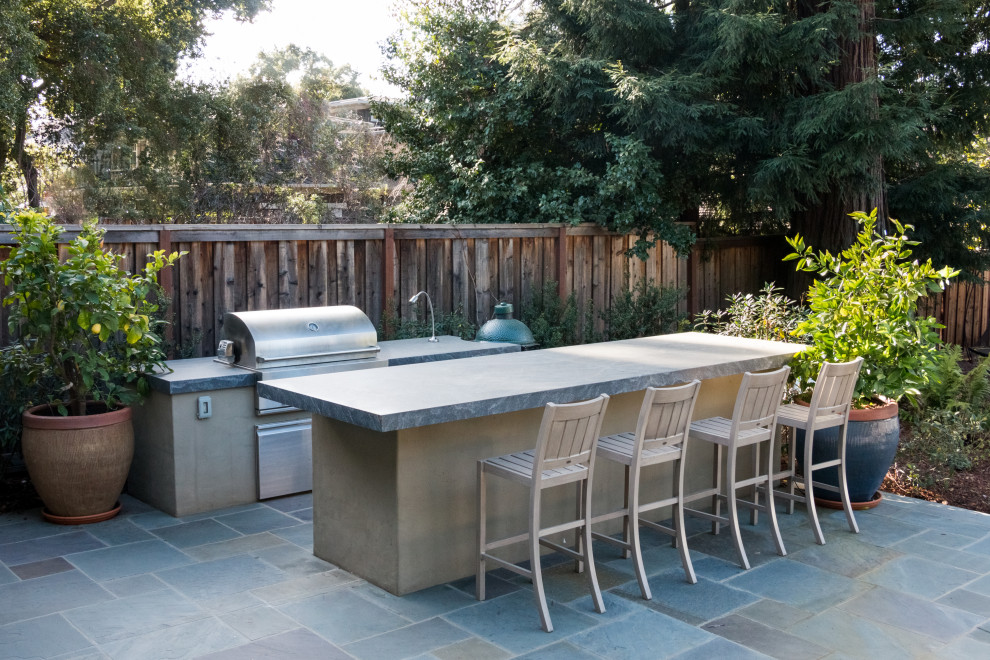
[[287, 343]]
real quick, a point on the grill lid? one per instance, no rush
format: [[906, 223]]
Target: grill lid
[[291, 337]]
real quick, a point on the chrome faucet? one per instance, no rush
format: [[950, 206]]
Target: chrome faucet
[[432, 319]]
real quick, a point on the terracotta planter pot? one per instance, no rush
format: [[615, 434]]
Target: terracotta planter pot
[[78, 464], [871, 443]]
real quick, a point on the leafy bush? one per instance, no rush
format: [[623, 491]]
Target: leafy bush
[[553, 322], [645, 310], [454, 323], [766, 315], [864, 304], [24, 383]]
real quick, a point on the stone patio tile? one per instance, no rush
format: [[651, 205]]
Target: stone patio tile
[[965, 648], [199, 532], [294, 560], [47, 595], [134, 585], [558, 651], [221, 577], [722, 649], [253, 521], [919, 577], [299, 644], [617, 606], [291, 503], [301, 535], [419, 605], [715, 569], [231, 603], [936, 516], [857, 637], [959, 558], [241, 545], [693, 603], [132, 506], [136, 615], [188, 640], [980, 546], [6, 575], [646, 635], [42, 568], [125, 560], [154, 518], [980, 586], [774, 614], [258, 622], [964, 599], [896, 609], [473, 648], [564, 585], [846, 556], [407, 642], [494, 586], [884, 531], [763, 639], [305, 515], [343, 617], [44, 637], [32, 528], [304, 587], [118, 531], [513, 622], [944, 539], [797, 584], [23, 552], [86, 654]]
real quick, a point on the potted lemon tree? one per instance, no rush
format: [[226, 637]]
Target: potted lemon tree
[[864, 303], [92, 326]]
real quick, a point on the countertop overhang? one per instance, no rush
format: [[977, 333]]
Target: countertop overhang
[[436, 392]]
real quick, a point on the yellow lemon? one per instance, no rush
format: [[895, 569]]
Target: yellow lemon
[[96, 328]]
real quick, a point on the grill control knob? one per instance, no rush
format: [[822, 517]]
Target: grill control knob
[[225, 352]]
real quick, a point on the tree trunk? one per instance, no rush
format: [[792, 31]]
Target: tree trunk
[[25, 162], [825, 223]]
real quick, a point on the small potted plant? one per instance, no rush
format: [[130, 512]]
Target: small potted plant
[[865, 304], [91, 324]]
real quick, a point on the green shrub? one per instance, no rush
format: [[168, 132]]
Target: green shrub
[[766, 315], [645, 310], [864, 304], [24, 383], [553, 322], [454, 323]]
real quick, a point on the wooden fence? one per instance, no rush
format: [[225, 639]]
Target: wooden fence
[[466, 267]]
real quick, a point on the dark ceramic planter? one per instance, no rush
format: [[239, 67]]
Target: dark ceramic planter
[[871, 443]]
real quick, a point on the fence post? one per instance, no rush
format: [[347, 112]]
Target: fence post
[[165, 281], [562, 262], [388, 270]]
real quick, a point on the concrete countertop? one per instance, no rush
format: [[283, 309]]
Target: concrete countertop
[[432, 393], [205, 374]]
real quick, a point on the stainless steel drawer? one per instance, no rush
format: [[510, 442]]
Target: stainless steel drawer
[[285, 458]]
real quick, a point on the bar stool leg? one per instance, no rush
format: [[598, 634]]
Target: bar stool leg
[[680, 539], [589, 556], [771, 506], [631, 517], [479, 582], [716, 500], [534, 560], [730, 478], [844, 486], [578, 539], [633, 538], [809, 489], [792, 465], [753, 511]]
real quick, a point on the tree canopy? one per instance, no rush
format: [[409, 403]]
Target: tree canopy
[[92, 69], [753, 116]]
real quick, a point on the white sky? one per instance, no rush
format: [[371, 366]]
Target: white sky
[[346, 31]]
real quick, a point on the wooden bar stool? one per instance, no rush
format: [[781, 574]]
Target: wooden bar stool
[[564, 454], [830, 404], [754, 419], [660, 437]]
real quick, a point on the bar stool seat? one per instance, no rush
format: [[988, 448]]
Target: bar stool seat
[[660, 437], [564, 454], [754, 419]]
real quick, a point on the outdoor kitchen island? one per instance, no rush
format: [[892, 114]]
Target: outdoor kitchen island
[[395, 452]]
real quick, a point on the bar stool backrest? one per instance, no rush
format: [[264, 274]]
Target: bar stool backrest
[[758, 400], [834, 388], [665, 416], [568, 434]]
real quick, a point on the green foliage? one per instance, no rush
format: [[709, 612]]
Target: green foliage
[[766, 315], [88, 320], [94, 70], [25, 383], [949, 389], [553, 322], [643, 311], [454, 323], [864, 304]]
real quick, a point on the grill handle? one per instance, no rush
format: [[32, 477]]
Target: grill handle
[[308, 356]]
